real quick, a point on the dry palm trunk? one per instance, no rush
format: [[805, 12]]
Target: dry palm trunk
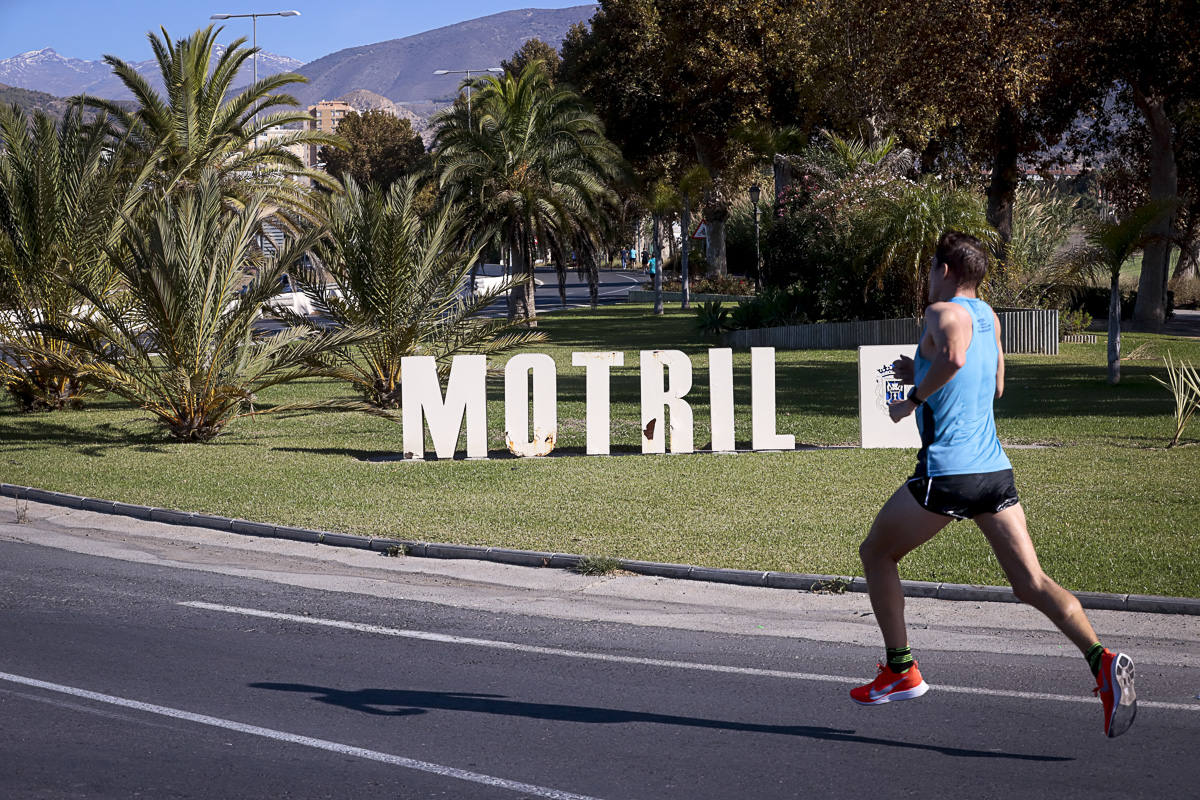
[[1114, 329], [658, 265]]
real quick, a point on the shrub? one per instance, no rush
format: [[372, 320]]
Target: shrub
[[1073, 322], [1032, 273], [1186, 292], [771, 309], [719, 284], [1093, 300], [179, 340], [905, 223], [724, 284], [746, 315], [402, 276], [712, 319], [856, 233], [1184, 385], [63, 195]]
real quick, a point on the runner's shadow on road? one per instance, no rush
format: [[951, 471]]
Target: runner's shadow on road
[[400, 702]]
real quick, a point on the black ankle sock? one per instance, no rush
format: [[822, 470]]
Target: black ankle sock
[[1093, 656], [899, 659]]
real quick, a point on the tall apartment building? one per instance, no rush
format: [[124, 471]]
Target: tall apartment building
[[299, 150], [325, 116]]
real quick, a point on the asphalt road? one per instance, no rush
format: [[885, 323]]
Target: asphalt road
[[613, 287], [112, 687]]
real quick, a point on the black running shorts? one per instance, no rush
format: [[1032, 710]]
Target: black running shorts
[[965, 496]]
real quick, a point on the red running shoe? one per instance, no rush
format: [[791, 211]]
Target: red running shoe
[[1114, 684], [889, 686]]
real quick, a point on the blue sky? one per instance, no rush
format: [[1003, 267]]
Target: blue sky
[[90, 28]]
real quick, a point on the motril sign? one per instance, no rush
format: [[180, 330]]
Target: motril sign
[[531, 428]]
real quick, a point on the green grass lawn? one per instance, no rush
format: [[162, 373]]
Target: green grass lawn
[[1110, 508], [1132, 269]]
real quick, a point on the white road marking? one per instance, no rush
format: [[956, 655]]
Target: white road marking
[[648, 662], [86, 709], [625, 289], [307, 741]]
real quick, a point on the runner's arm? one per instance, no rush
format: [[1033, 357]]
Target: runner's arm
[[950, 327], [1000, 361]]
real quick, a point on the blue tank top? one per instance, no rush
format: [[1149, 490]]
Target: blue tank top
[[958, 429]]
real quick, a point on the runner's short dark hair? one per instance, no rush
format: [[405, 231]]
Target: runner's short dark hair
[[966, 256]]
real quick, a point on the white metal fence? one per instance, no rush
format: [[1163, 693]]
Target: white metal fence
[[1025, 330]]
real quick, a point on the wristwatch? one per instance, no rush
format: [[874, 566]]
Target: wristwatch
[[912, 398]]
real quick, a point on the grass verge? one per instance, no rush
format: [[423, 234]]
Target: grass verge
[[1111, 509]]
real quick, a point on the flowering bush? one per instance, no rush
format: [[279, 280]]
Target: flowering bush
[[819, 240]]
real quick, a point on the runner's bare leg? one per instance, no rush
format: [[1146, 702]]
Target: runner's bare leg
[[1008, 535], [900, 527]]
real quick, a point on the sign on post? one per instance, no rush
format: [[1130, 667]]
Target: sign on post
[[877, 387], [701, 231]]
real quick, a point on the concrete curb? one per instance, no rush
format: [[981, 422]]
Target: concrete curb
[[1153, 604]]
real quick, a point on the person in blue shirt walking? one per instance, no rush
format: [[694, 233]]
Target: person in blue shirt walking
[[963, 473]]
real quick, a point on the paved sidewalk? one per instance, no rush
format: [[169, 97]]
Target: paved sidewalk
[[1185, 322], [1168, 640]]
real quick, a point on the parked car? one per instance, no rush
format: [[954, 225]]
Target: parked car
[[489, 277]]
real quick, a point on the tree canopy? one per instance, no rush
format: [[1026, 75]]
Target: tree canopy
[[672, 84], [1148, 50], [380, 148], [533, 50], [535, 164]]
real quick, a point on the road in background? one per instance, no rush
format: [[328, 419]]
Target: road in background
[[613, 287]]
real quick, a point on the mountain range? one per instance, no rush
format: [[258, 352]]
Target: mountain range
[[365, 100], [31, 100], [398, 70], [402, 69], [46, 71]]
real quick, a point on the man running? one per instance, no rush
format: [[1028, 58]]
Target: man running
[[963, 473]]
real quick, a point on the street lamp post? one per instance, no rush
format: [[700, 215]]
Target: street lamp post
[[467, 72], [254, 30], [755, 193]]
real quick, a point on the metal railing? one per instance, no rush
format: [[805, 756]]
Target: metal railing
[[1025, 330]]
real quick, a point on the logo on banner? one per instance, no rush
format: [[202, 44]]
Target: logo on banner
[[888, 389]]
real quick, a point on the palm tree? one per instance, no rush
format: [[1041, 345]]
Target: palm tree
[[178, 341], [772, 145], [692, 186], [405, 277], [1108, 244], [663, 200], [62, 200], [835, 159], [1043, 219], [202, 125], [904, 226], [533, 164]]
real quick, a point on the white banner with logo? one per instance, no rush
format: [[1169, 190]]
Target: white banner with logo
[[877, 387]]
